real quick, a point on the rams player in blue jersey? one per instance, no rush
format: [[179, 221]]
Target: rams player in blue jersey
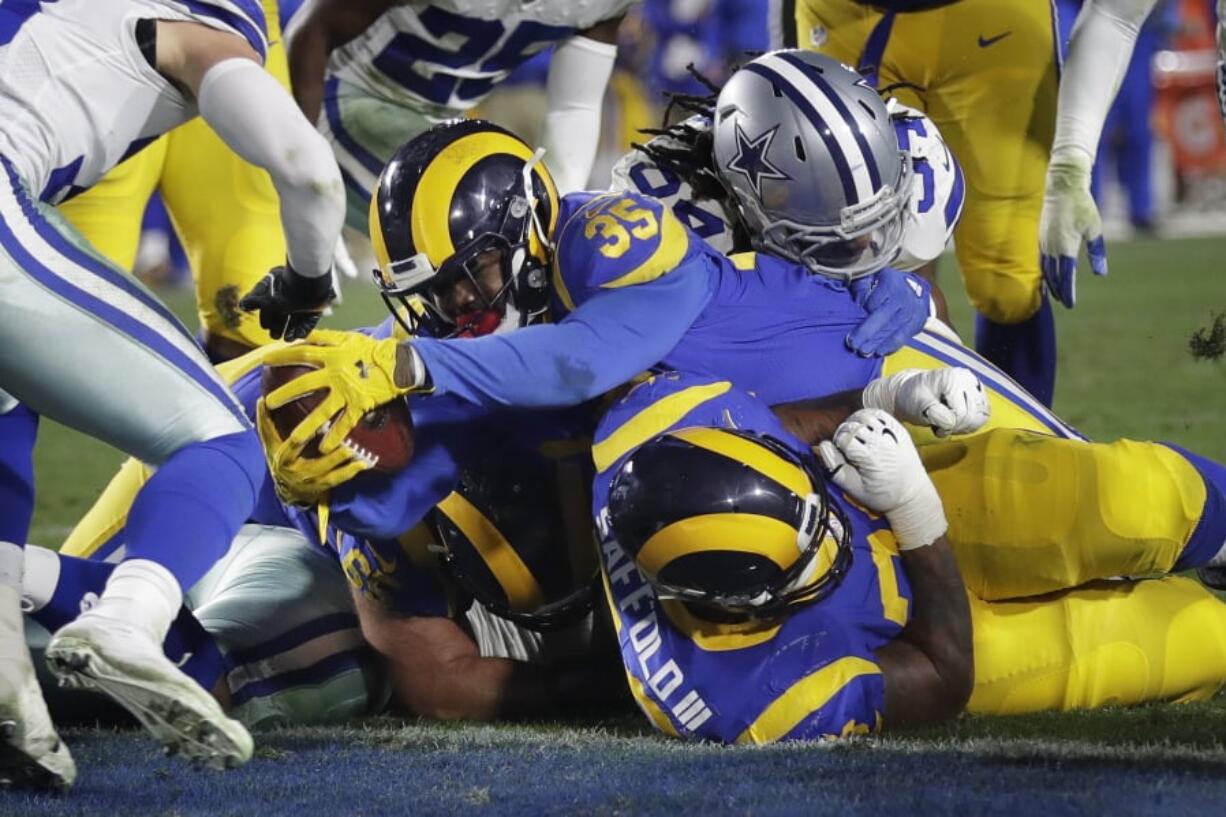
[[756, 602], [632, 288]]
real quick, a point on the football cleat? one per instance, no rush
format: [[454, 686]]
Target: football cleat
[[32, 756], [123, 662]]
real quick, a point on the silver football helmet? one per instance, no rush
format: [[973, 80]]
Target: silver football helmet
[[808, 150]]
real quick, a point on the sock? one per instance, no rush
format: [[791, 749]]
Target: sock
[[1025, 351], [143, 594], [59, 588], [18, 428], [12, 564], [1207, 545], [185, 517]]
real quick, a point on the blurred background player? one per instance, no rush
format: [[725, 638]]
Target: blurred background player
[[85, 84], [986, 72], [374, 73]]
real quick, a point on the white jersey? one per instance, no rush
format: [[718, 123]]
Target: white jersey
[[938, 190], [445, 56], [76, 94]]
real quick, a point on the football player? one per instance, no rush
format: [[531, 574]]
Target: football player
[[83, 85], [634, 289], [755, 601], [224, 210], [443, 656], [374, 73], [987, 73]]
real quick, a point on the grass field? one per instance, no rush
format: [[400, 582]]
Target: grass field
[[1125, 371]]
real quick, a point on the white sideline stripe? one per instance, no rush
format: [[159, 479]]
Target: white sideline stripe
[[834, 120]]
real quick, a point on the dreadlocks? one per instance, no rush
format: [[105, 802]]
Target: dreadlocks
[[687, 149]]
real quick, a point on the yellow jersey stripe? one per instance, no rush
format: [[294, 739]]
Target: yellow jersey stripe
[[893, 606], [805, 697], [744, 261], [751, 454], [653, 421], [739, 532], [521, 588]]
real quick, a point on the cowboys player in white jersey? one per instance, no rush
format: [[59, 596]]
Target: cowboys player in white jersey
[[83, 84], [374, 73]]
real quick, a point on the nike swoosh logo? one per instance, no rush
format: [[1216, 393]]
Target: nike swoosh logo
[[984, 42]]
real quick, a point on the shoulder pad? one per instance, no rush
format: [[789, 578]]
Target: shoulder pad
[[615, 240]]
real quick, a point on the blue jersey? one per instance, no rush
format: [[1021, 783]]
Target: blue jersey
[[809, 675], [636, 290]]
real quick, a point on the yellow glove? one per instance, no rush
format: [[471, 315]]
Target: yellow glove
[[303, 480], [355, 371]]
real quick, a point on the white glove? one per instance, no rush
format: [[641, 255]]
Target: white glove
[[949, 401], [873, 459], [1069, 217]]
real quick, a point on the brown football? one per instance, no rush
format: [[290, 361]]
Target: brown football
[[384, 435]]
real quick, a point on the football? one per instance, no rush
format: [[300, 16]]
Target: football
[[384, 436]]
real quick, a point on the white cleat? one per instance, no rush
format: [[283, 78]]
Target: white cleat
[[32, 756], [123, 661]]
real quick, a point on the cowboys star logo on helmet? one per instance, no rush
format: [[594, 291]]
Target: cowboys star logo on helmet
[[751, 158]]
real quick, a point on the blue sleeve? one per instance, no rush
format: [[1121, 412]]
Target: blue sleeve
[[607, 340]]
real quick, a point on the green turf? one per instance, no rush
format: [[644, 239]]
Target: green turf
[[1125, 371]]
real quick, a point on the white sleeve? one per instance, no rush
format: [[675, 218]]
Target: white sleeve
[[578, 75], [260, 122], [1099, 52]]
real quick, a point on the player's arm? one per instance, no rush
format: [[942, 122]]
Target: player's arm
[[579, 72], [929, 669], [949, 401], [320, 28], [259, 121], [437, 672], [1099, 53]]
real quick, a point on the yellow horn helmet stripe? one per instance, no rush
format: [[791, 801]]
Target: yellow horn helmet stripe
[[431, 205], [520, 586], [740, 532], [758, 457]]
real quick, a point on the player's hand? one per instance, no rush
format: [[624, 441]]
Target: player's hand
[[897, 306], [873, 459], [1069, 217], [303, 480], [357, 372], [949, 401], [289, 304]]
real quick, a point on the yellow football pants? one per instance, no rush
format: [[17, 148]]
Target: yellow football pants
[[1031, 514], [1109, 643], [986, 72], [224, 210]]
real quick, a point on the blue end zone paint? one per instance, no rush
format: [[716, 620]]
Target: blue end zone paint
[[384, 769]]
